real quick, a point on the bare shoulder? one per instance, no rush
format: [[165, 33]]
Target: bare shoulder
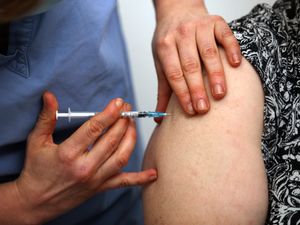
[[210, 166]]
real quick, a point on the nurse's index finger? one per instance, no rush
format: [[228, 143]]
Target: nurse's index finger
[[91, 130]]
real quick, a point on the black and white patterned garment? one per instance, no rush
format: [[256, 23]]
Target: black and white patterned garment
[[270, 40]]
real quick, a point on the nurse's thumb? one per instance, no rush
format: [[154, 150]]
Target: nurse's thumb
[[45, 125]]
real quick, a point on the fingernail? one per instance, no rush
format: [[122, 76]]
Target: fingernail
[[202, 105], [127, 107], [218, 90], [158, 120], [153, 177], [190, 108], [119, 102], [236, 59]]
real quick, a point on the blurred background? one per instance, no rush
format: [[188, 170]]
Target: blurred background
[[138, 21]]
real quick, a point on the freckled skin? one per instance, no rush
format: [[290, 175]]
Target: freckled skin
[[210, 168]]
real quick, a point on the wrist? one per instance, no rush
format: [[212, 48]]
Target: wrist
[[163, 7], [13, 210], [26, 208]]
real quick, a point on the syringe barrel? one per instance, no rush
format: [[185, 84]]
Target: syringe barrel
[[81, 114], [133, 114]]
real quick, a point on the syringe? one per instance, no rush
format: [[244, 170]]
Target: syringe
[[132, 114]]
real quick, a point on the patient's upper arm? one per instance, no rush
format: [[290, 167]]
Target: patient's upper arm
[[210, 167]]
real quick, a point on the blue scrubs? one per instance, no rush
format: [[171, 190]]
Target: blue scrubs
[[76, 51]]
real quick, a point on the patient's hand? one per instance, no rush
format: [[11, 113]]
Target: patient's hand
[[185, 39]]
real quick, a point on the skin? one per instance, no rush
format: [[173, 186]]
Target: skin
[[184, 41], [210, 168], [56, 178]]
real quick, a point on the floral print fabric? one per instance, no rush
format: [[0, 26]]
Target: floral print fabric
[[270, 41]]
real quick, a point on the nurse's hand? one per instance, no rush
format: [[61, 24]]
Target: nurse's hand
[[57, 178], [184, 40]]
